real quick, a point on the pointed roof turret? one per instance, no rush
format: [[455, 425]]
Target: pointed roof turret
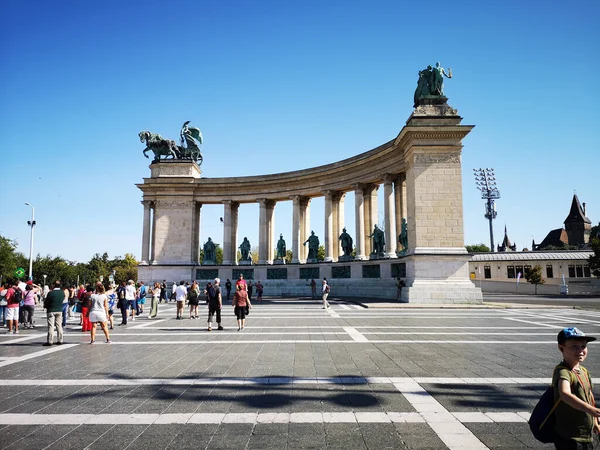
[[576, 215]]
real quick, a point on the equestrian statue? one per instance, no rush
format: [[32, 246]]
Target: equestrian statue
[[166, 148]]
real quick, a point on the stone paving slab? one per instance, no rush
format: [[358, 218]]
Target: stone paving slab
[[296, 377]]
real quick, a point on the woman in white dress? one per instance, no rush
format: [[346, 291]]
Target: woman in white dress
[[99, 312]]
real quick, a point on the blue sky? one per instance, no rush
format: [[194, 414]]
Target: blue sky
[[278, 86]]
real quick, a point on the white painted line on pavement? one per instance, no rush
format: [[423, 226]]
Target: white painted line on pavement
[[447, 426], [332, 313], [277, 380], [21, 339], [148, 323], [49, 350], [533, 323], [355, 334]]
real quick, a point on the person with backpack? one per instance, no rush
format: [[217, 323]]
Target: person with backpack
[[215, 303], [141, 298], [241, 304], [576, 413], [122, 302], [193, 297], [13, 299], [325, 293]]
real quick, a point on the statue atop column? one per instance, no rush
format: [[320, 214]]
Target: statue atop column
[[166, 148], [245, 251], [209, 253], [346, 242], [313, 248], [430, 85], [378, 236], [403, 238], [281, 250]]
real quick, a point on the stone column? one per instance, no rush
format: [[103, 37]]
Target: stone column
[[370, 215], [359, 217], [270, 232], [235, 207], [337, 207], [153, 234], [146, 233], [263, 232], [305, 226], [227, 232], [195, 247], [400, 206], [388, 208], [328, 226], [296, 229]]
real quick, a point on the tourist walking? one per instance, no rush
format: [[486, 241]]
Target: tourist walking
[[13, 299], [193, 297], [215, 304], [86, 303], [112, 301], [163, 291], [99, 312], [141, 298], [228, 288], [180, 296], [130, 295], [241, 304], [29, 297], [156, 292], [65, 306], [313, 288], [399, 284], [249, 288], [53, 304], [242, 282], [122, 302], [325, 293], [3, 302], [259, 291]]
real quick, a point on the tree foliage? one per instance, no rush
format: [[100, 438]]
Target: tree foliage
[[477, 248], [69, 272], [595, 258], [534, 276]]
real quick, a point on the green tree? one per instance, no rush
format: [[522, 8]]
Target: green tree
[[534, 276], [321, 253], [254, 255], [288, 256], [10, 259], [595, 258], [477, 248]]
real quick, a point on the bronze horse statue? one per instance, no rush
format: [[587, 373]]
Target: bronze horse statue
[[159, 146]]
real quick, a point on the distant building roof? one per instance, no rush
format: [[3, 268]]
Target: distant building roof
[[556, 238], [576, 214], [533, 256]]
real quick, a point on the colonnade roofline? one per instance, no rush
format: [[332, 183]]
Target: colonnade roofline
[[370, 167]]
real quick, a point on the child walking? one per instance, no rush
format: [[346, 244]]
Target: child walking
[[576, 414]]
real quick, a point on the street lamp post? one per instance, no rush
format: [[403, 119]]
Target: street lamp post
[[31, 223], [485, 179]]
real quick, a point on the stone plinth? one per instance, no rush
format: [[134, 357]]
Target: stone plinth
[[175, 169]]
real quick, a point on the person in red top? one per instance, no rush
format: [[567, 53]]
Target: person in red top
[[12, 310], [241, 304], [241, 282]]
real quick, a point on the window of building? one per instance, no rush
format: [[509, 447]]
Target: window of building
[[487, 271], [586, 271], [510, 272], [549, 271], [579, 270], [571, 271], [527, 269], [519, 270]]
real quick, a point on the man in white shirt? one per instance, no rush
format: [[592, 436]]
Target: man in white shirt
[[130, 298], [180, 296], [325, 293]]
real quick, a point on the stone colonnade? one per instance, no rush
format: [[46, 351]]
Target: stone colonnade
[[420, 172], [366, 215]]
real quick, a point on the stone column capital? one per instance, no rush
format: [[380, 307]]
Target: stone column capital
[[389, 177], [148, 203]]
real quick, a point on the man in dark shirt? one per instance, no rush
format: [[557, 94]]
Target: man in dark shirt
[[53, 305]]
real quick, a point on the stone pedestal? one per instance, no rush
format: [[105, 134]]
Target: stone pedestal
[[278, 261], [245, 262]]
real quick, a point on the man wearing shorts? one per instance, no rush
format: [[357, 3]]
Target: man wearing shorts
[[130, 298], [180, 296]]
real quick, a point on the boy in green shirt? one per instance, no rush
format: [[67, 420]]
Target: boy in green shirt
[[576, 414]]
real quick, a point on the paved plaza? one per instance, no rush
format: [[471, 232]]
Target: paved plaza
[[298, 376]]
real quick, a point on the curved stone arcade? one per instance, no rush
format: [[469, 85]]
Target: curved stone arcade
[[420, 171]]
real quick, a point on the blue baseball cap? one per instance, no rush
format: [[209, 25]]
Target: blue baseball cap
[[572, 333]]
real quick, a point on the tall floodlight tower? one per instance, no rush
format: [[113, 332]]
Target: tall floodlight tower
[[485, 179]]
